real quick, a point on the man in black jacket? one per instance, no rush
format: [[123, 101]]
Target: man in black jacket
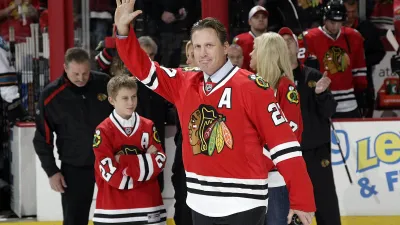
[[317, 107], [72, 106]]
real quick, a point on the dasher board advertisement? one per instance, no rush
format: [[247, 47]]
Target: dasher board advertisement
[[372, 152]]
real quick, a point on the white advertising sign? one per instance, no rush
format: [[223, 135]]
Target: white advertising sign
[[372, 153]]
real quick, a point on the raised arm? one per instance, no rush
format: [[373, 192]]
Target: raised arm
[[166, 82]]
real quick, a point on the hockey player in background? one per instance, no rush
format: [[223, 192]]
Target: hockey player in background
[[270, 58], [10, 110], [340, 52], [128, 158], [258, 21], [233, 130]]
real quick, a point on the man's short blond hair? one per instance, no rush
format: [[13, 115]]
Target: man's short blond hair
[[118, 82]]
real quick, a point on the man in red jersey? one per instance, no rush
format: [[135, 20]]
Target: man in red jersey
[[340, 51], [233, 131], [258, 21]]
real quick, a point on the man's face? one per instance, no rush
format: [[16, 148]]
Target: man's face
[[292, 45], [352, 13], [149, 51], [236, 56], [259, 21], [125, 102], [209, 53], [333, 27], [78, 73]]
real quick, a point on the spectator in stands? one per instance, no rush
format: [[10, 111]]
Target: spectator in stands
[[183, 214], [18, 14], [149, 46], [101, 20], [374, 53], [235, 54], [71, 107], [317, 106], [169, 16], [258, 21]]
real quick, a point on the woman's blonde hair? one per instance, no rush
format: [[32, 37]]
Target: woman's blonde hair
[[188, 44], [272, 58]]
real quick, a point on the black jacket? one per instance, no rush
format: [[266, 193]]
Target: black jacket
[[316, 109], [72, 113]]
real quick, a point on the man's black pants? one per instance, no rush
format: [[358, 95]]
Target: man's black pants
[[183, 214], [319, 168], [78, 196], [254, 216]]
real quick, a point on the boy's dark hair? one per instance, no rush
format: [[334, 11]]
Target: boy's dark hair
[[118, 82], [77, 55], [214, 24]]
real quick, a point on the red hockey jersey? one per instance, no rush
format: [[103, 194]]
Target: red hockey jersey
[[128, 191], [289, 101], [232, 136], [344, 60], [246, 42]]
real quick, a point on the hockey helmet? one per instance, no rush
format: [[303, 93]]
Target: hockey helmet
[[335, 11]]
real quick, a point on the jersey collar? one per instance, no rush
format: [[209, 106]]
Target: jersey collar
[[220, 74], [122, 123]]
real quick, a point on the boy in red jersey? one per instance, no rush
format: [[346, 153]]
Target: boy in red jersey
[[129, 157]]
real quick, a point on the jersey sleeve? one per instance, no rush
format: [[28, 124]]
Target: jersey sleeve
[[44, 138], [165, 81], [105, 164], [281, 145], [145, 167], [289, 101], [359, 68]]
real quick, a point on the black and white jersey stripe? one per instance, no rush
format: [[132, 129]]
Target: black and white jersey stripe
[[144, 216], [346, 100], [222, 195], [283, 151]]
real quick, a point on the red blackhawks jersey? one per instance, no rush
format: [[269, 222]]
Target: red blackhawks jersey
[[128, 191], [233, 135], [246, 42], [289, 101], [344, 60]]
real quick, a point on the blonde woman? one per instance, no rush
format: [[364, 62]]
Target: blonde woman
[[190, 55], [270, 59]]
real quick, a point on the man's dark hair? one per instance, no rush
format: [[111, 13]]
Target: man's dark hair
[[77, 55], [214, 24], [351, 2]]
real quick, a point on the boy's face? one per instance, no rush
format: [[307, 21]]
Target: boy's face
[[125, 102]]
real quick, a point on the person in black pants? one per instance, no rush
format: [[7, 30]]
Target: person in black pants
[[72, 106], [183, 214], [317, 107]]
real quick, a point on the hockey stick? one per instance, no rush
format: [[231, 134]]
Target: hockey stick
[[341, 151]]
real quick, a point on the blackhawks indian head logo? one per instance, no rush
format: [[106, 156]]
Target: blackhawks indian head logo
[[336, 60], [208, 131]]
